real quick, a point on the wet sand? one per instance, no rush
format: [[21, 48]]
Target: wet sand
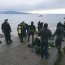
[[1, 35], [19, 54]]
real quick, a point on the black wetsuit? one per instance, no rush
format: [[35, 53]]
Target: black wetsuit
[[7, 30], [59, 37], [45, 35], [31, 32]]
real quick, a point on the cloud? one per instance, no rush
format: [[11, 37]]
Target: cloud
[[29, 5], [50, 11]]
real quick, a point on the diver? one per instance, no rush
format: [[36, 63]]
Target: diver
[[45, 34], [32, 30], [59, 33], [6, 29]]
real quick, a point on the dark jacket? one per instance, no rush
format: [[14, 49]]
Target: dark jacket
[[32, 28], [59, 34], [6, 27], [45, 35]]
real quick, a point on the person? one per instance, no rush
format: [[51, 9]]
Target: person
[[39, 25], [59, 36], [6, 29], [27, 28], [23, 31], [64, 25], [32, 30], [45, 34], [64, 28]]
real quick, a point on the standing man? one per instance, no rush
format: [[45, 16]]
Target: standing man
[[59, 36], [22, 31], [45, 35], [31, 31], [39, 25], [6, 29]]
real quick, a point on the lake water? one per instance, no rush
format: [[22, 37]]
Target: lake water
[[15, 19]]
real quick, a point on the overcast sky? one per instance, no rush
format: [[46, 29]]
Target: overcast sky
[[31, 5]]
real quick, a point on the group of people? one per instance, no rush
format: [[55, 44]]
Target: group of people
[[46, 34], [25, 30]]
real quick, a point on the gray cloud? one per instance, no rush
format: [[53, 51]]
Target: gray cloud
[[24, 5]]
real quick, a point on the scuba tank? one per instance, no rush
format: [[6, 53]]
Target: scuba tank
[[19, 29]]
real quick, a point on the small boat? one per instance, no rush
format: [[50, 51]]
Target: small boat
[[40, 15]]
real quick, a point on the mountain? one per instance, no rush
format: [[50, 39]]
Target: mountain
[[12, 12]]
